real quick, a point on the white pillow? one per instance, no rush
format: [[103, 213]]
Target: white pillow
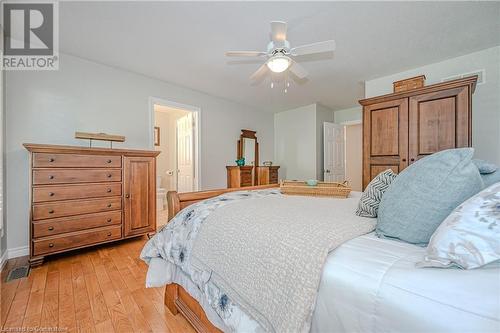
[[470, 236]]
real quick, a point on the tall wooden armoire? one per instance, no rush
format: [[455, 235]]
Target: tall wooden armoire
[[401, 128]]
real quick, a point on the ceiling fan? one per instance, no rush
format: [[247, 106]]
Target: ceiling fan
[[280, 55]]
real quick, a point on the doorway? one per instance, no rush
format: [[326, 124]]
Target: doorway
[[354, 154], [175, 132]]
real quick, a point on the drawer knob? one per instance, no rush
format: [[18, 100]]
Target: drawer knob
[[412, 159], [51, 244], [108, 161], [51, 177], [109, 205], [109, 175], [51, 211], [51, 228], [109, 234], [109, 190], [127, 195], [51, 159], [51, 194], [109, 219]]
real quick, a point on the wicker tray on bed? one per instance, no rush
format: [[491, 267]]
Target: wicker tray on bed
[[323, 189]]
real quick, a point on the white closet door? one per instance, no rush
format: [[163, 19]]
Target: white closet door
[[185, 153], [334, 157]]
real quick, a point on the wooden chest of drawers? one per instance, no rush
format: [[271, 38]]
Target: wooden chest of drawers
[[267, 175], [87, 196]]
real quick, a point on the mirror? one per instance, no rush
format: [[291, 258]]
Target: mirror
[[249, 151], [248, 148]]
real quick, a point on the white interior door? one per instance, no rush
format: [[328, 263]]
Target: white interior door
[[334, 157], [185, 153]]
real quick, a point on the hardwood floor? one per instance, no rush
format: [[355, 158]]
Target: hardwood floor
[[95, 290]]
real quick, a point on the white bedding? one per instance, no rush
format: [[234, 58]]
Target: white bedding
[[372, 285]]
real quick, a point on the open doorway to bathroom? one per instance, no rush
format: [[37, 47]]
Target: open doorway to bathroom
[[176, 134]]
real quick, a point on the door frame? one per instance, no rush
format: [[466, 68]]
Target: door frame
[[197, 149]]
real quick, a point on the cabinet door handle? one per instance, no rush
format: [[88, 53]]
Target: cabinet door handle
[[109, 220], [127, 195], [51, 211], [404, 160], [109, 161], [51, 228], [51, 244], [412, 159]]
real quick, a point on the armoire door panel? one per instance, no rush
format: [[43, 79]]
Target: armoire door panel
[[436, 129], [140, 204], [385, 132], [376, 169], [385, 137], [438, 121]]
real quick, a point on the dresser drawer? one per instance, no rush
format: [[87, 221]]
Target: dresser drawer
[[81, 191], [61, 225], [75, 239], [61, 176], [68, 208], [47, 160], [246, 178]]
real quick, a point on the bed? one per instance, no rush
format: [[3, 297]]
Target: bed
[[367, 285]]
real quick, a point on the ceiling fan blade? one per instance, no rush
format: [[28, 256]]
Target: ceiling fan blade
[[259, 73], [326, 46], [298, 70], [278, 31], [245, 54]]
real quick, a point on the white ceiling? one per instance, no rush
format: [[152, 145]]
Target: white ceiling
[[184, 42]]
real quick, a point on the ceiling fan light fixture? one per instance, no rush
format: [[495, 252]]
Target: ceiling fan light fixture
[[278, 64]]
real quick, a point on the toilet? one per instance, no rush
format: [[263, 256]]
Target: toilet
[[161, 195]]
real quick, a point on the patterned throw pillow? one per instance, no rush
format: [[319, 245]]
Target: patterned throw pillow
[[371, 197], [470, 236]]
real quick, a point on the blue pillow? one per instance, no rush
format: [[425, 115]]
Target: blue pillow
[[491, 178], [484, 167], [425, 193]]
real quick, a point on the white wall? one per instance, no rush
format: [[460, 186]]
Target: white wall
[[49, 106], [298, 141], [485, 101], [295, 142], [351, 114]]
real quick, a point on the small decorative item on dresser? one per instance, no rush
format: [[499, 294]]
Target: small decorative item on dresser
[[321, 189], [100, 137], [267, 163], [409, 84], [240, 161]]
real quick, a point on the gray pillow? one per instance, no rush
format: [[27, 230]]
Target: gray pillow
[[425, 193], [491, 178], [484, 167], [371, 197]]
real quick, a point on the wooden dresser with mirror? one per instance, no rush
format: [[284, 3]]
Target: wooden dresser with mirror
[[86, 196], [403, 127], [251, 173]]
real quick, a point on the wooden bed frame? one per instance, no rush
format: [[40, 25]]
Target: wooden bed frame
[[177, 299]]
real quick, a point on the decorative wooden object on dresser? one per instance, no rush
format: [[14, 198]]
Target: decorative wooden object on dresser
[[400, 128], [86, 196]]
